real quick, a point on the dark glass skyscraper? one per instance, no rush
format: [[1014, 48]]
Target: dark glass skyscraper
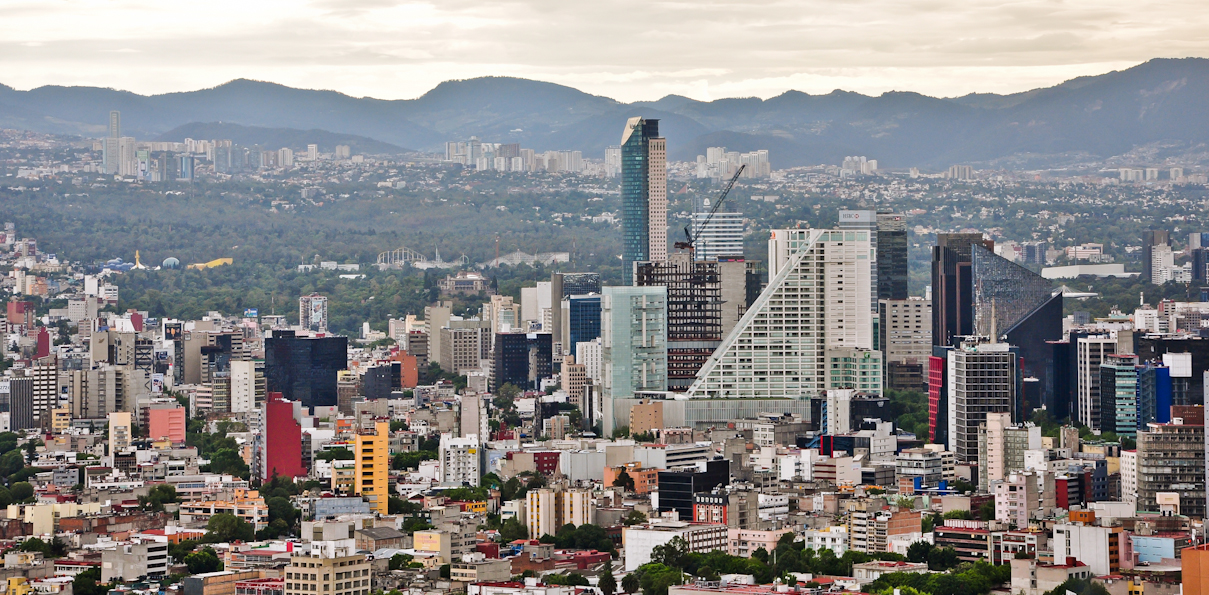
[[304, 369], [1021, 307], [522, 359], [643, 195], [891, 256], [953, 286]]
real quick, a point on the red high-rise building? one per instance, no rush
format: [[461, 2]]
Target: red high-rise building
[[282, 439]]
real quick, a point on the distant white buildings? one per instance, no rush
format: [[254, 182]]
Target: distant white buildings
[[718, 163]]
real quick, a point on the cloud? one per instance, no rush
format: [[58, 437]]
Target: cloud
[[626, 49]]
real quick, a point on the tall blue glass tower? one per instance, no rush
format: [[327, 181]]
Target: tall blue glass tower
[[643, 195]]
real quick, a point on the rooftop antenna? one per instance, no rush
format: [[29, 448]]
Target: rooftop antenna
[[994, 324]]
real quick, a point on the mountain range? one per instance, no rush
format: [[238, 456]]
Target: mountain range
[[1097, 117]]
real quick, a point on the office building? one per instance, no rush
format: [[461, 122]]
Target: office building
[[1020, 307], [1153, 241], [304, 369], [372, 453], [1001, 447], [1171, 458], [1092, 351], [981, 380], [522, 360], [583, 321], [575, 283], [818, 300], [312, 313], [281, 437], [643, 195], [953, 286], [719, 236], [678, 487], [905, 327], [21, 403], [1119, 394], [633, 328], [891, 256]]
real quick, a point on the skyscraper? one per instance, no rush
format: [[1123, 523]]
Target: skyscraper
[[633, 330], [953, 286], [891, 256], [1150, 240], [112, 156], [982, 380], [719, 237], [816, 303], [643, 195], [1020, 306]]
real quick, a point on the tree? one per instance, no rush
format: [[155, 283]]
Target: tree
[[509, 392], [157, 497], [959, 515], [204, 561], [281, 509], [629, 583], [335, 454], [86, 583], [22, 491], [623, 480], [607, 583], [400, 561], [11, 462], [672, 553], [34, 544], [226, 527], [634, 517], [986, 512], [918, 552], [512, 530], [656, 578], [228, 462]]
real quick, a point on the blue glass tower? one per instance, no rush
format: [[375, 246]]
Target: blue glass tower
[[583, 320], [643, 195]]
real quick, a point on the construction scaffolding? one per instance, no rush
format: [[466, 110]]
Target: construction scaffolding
[[694, 312]]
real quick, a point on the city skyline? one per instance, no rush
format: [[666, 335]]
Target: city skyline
[[703, 52]]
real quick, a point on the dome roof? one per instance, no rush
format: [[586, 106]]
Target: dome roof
[[171, 263]]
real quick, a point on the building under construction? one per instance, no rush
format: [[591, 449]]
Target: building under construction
[[704, 302]]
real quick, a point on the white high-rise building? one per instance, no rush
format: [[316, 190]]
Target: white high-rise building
[[588, 353], [721, 237], [817, 299], [244, 393], [285, 157], [312, 152], [613, 161], [1090, 352], [459, 460]]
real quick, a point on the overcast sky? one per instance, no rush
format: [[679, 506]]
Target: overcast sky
[[626, 49]]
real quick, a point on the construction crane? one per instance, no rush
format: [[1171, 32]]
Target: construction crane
[[692, 238]]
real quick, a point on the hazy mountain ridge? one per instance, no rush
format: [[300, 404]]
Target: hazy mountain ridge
[[1104, 115]]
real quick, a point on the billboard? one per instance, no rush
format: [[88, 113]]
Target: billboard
[[172, 331], [157, 384], [251, 313]]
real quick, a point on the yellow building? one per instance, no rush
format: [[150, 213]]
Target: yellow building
[[18, 585], [372, 451], [60, 420]]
